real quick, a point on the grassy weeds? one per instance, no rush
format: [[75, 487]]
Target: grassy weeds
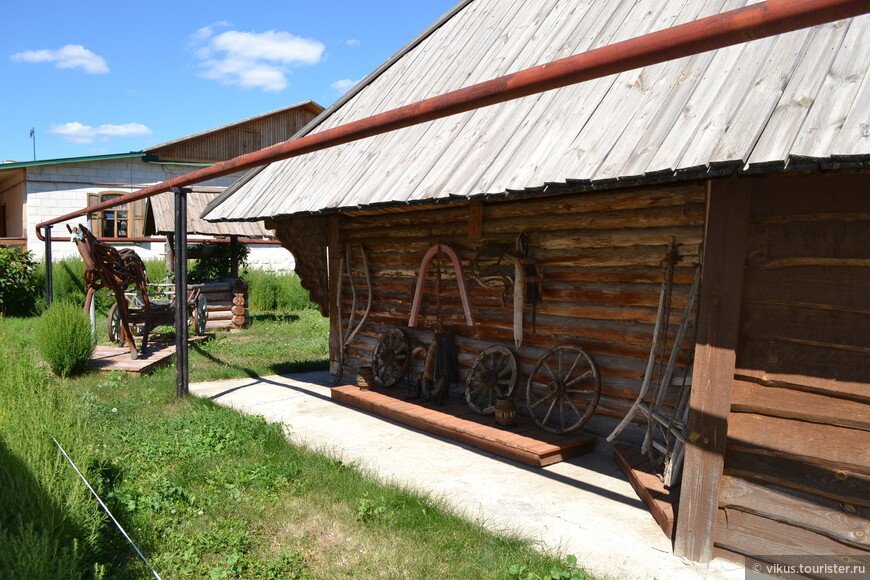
[[206, 492]]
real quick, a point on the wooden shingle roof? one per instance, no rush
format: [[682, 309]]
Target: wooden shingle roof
[[162, 214], [795, 101]]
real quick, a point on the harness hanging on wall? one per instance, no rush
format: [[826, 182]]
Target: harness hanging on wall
[[440, 366], [495, 266]]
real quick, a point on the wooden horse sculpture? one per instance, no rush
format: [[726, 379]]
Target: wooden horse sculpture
[[108, 267]]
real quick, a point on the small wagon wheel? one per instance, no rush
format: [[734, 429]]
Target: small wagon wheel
[[200, 314], [115, 324], [493, 375], [563, 389], [391, 358]]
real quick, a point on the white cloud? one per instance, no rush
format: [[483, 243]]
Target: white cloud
[[76, 132], [70, 56], [253, 60], [352, 42], [343, 85]]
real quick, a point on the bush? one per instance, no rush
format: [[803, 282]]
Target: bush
[[214, 262], [274, 291], [18, 289], [64, 338]]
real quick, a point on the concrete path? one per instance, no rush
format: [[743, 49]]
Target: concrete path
[[583, 507]]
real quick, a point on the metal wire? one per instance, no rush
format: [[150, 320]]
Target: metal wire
[[117, 524]]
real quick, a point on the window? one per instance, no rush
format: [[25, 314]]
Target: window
[[123, 221], [115, 220]]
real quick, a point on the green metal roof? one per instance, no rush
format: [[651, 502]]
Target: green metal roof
[[20, 164]]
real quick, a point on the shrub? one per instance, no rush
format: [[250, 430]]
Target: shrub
[[64, 338], [18, 289], [276, 291], [214, 262]]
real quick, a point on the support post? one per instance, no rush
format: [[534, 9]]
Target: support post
[[713, 367], [234, 253], [170, 252], [181, 314], [49, 282], [333, 269]]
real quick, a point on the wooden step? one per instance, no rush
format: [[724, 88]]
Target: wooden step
[[455, 421]]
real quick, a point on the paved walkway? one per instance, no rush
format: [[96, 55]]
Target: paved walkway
[[583, 507]]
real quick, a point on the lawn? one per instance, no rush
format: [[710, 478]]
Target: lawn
[[205, 492]]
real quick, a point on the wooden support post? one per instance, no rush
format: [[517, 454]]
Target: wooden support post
[[170, 253], [333, 269], [713, 375], [475, 220]]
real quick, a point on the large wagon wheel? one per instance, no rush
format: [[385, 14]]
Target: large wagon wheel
[[563, 389], [493, 375], [391, 358]]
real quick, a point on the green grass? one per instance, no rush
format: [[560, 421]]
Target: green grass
[[206, 492]]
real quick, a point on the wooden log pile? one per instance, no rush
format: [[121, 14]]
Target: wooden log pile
[[227, 302]]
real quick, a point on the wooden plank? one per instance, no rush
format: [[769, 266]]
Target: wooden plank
[[837, 447], [715, 355], [815, 366], [475, 219], [648, 486], [786, 244], [748, 533], [837, 484], [846, 287], [797, 99], [538, 449], [820, 198], [836, 98], [837, 329], [844, 523], [760, 99], [751, 397]]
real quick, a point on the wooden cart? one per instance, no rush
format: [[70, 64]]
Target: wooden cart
[[118, 270]]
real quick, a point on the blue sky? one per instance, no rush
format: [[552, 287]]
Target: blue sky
[[97, 77]]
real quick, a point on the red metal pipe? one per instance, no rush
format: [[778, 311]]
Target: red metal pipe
[[195, 240], [733, 27]]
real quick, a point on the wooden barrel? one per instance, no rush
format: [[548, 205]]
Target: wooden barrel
[[505, 412]]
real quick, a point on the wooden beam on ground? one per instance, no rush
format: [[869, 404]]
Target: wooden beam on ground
[[715, 356]]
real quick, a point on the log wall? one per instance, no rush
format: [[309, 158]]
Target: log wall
[[599, 255], [797, 462], [227, 303]]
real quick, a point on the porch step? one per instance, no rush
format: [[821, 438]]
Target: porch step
[[525, 442]]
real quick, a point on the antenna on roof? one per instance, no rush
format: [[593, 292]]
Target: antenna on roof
[[33, 138]]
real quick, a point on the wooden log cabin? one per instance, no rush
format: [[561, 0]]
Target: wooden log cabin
[[752, 160]]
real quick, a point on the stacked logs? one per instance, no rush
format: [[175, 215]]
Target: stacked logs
[[227, 302]]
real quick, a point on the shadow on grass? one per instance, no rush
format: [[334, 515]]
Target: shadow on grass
[[272, 317], [278, 368]]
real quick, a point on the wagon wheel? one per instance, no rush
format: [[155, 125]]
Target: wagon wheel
[[115, 324], [200, 314], [563, 389], [493, 375], [391, 358]]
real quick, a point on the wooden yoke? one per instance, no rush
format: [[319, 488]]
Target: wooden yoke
[[421, 280]]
